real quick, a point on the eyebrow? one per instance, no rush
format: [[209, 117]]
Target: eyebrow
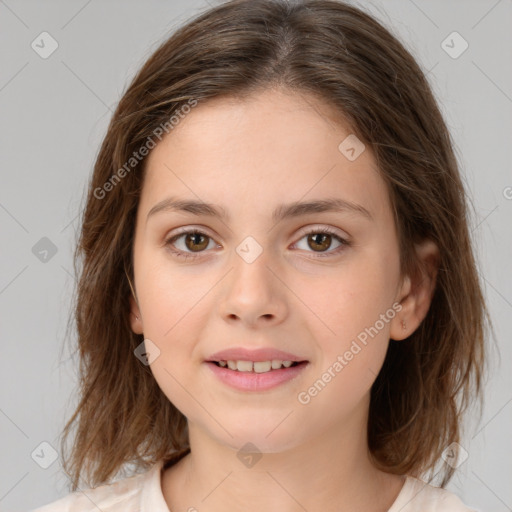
[[282, 212]]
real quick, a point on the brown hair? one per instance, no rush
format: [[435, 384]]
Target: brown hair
[[344, 57]]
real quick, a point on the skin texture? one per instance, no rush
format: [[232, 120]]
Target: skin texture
[[249, 157]]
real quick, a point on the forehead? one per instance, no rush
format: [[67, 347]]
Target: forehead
[[264, 150]]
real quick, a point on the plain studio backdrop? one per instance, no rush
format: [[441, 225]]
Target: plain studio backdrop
[[56, 99]]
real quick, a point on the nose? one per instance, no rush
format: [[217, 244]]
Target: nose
[[253, 294]]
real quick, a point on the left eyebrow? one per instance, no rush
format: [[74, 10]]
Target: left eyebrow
[[284, 211], [338, 205]]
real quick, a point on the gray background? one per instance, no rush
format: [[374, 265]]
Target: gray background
[[54, 113]]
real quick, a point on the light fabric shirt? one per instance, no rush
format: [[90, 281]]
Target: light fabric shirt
[[143, 493]]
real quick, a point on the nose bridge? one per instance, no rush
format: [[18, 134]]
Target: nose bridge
[[251, 277], [252, 290]]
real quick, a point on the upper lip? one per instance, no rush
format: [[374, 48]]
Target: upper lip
[[255, 355]]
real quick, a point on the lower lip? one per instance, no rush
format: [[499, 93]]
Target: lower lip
[[252, 381]]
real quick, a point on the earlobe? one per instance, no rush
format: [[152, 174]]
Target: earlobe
[[415, 294]]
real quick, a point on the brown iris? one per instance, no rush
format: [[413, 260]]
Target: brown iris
[[196, 241], [321, 241]]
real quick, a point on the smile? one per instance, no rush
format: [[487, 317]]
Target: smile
[[256, 375], [256, 366]]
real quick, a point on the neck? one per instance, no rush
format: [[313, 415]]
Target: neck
[[331, 472]]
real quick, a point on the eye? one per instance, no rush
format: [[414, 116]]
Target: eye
[[194, 241], [320, 240]]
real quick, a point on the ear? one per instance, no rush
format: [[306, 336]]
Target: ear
[[416, 292], [135, 317]]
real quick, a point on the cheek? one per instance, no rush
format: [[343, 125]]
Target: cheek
[[175, 306], [175, 300], [345, 302], [353, 310], [170, 298], [350, 361]]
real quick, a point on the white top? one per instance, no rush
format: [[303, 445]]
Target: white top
[[143, 493]]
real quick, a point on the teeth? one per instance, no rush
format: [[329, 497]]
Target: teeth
[[262, 366], [244, 366], [257, 366]]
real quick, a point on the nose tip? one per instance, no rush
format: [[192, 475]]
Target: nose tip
[[251, 295]]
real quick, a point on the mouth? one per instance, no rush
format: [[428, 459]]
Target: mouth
[[256, 376], [256, 366], [259, 369]]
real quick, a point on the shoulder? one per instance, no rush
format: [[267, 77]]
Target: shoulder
[[418, 496], [124, 495]]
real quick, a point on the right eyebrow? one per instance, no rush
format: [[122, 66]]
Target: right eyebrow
[[172, 204]]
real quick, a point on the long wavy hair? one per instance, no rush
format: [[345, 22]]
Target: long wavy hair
[[343, 56]]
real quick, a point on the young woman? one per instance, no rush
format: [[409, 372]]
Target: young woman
[[278, 305]]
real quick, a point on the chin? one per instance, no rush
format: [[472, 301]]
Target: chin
[[269, 435]]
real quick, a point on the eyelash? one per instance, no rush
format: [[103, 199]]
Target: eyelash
[[186, 256]]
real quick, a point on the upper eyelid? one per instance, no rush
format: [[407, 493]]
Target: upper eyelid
[[205, 231], [302, 233], [186, 231]]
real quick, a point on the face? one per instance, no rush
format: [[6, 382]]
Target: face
[[262, 274]]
